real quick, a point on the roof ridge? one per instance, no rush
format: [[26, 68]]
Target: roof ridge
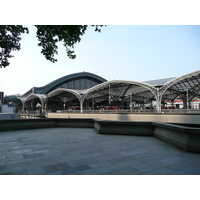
[[160, 79]]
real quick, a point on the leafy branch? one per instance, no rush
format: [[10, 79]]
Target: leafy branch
[[48, 36]]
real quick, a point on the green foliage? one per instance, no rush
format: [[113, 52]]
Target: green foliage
[[48, 36], [9, 41]]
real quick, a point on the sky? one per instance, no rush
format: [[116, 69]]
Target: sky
[[120, 52]]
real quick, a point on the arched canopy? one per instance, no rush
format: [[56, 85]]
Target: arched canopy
[[68, 93], [41, 97], [90, 89], [120, 89], [61, 95], [23, 99], [189, 83]]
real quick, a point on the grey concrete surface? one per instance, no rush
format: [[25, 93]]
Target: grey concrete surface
[[185, 137], [81, 151]]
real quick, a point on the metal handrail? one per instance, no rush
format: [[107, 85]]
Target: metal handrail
[[35, 114], [131, 111]]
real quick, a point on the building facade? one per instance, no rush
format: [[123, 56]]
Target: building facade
[[87, 91]]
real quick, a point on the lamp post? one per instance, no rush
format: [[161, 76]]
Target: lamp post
[[187, 100], [47, 108], [109, 95], [131, 101], [64, 105], [93, 103]]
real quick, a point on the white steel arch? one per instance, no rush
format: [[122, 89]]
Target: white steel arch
[[115, 82], [121, 89], [186, 85], [178, 79], [41, 97], [76, 93], [61, 90]]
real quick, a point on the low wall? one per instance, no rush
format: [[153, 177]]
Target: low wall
[[156, 117], [123, 127], [20, 124], [8, 116], [187, 138]]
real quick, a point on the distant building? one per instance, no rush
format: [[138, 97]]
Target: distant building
[[178, 104], [2, 97]]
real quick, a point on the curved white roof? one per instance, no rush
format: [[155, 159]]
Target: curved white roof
[[171, 87]]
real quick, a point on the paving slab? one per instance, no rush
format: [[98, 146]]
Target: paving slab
[[81, 151], [36, 171], [126, 171]]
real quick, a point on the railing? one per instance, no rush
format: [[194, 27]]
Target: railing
[[38, 114], [31, 114], [131, 111], [105, 111], [188, 111]]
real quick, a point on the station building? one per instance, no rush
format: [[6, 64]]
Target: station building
[[87, 91]]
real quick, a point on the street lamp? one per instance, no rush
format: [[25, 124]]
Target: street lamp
[[187, 99], [109, 95], [131, 101], [93, 103], [64, 105]]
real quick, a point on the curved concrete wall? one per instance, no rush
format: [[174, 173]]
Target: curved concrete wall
[[162, 117]]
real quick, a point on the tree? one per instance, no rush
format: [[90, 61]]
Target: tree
[[48, 36]]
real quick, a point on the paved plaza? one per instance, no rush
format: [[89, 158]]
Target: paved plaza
[[81, 151]]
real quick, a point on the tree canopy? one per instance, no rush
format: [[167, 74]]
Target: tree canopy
[[48, 36]]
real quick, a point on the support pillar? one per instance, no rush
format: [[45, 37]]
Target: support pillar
[[42, 107], [158, 101], [131, 103], [23, 104], [122, 103], [81, 105], [42, 102], [185, 103], [172, 103]]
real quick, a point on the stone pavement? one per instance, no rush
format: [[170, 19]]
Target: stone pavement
[[81, 151]]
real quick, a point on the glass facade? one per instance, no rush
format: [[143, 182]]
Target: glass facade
[[79, 83]]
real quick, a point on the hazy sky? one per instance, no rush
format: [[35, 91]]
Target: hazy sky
[[121, 52]]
